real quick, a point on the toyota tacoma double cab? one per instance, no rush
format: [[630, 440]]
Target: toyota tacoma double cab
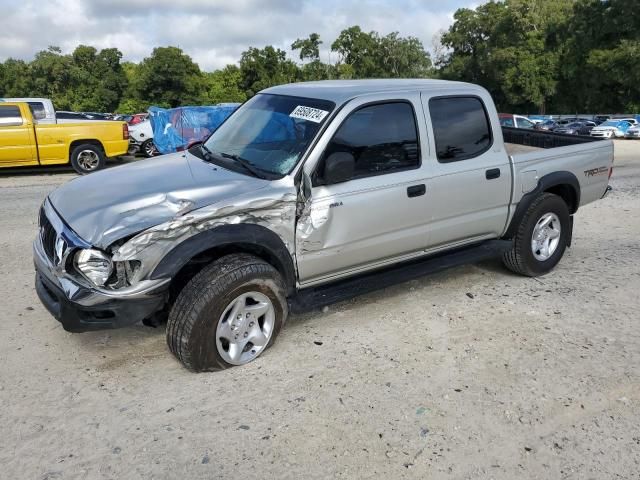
[[308, 194]]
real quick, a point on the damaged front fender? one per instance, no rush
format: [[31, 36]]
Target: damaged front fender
[[274, 209]]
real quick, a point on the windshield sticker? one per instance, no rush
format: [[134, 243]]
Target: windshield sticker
[[314, 115]]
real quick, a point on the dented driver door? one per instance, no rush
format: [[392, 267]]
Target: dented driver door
[[381, 214]]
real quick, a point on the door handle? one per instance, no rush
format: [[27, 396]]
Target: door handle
[[492, 173], [416, 190]]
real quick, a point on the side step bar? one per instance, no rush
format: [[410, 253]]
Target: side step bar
[[316, 297]]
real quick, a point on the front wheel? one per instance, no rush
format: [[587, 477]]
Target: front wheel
[[87, 158], [228, 314], [541, 238]]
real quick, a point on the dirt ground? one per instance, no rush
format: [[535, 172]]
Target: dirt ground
[[473, 373]]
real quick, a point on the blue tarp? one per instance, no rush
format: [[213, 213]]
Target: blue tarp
[[175, 128]]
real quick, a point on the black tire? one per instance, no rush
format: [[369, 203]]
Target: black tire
[[193, 320], [148, 148], [80, 165], [520, 259]]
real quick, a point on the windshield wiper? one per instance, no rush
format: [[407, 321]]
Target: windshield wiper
[[246, 164], [206, 152]]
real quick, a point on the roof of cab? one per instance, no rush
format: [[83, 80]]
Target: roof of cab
[[339, 91]]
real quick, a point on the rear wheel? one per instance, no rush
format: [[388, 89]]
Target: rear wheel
[[541, 238], [149, 148], [228, 314], [87, 158]]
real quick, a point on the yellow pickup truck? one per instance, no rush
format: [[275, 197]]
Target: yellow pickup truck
[[85, 145]]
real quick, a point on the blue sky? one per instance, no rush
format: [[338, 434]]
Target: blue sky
[[213, 32]]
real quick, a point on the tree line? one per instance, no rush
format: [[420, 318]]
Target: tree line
[[532, 55]]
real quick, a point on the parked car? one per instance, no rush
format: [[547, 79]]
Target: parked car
[[631, 120], [71, 117], [138, 118], [611, 129], [23, 142], [536, 119], [41, 108], [633, 132], [548, 125], [516, 121], [576, 128], [98, 116], [598, 119], [141, 139], [309, 194]]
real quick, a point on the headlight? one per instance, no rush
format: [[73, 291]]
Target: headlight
[[94, 265]]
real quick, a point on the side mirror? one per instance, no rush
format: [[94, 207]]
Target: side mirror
[[338, 168]]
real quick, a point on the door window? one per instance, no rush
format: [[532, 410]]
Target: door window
[[383, 138], [461, 128], [10, 116]]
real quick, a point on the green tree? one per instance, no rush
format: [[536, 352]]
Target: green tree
[[357, 49], [309, 47], [224, 85], [512, 48], [599, 63], [368, 55], [170, 78], [130, 101], [97, 79], [15, 80], [50, 74], [263, 68], [312, 68]]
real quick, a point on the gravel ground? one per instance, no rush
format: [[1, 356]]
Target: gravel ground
[[472, 373]]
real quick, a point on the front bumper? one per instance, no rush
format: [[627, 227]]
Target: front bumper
[[80, 307], [106, 313], [602, 134]]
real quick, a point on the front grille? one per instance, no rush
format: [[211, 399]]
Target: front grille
[[48, 236]]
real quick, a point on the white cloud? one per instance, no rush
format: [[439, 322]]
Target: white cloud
[[213, 32]]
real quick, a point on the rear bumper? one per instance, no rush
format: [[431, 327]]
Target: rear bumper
[[116, 147]]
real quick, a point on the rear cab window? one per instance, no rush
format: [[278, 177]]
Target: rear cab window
[[37, 110], [10, 116], [461, 127]]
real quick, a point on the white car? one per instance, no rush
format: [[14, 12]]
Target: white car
[[141, 138], [611, 129]]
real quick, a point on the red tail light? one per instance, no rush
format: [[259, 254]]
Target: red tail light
[[125, 131], [610, 172]]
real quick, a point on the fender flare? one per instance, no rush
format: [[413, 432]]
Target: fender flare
[[544, 183], [253, 237]]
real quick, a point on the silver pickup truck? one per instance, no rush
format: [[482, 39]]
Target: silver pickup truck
[[308, 194]]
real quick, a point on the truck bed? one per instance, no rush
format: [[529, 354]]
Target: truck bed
[[535, 154], [537, 139], [514, 148]]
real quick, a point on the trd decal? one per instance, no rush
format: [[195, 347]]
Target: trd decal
[[596, 171], [336, 204]]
